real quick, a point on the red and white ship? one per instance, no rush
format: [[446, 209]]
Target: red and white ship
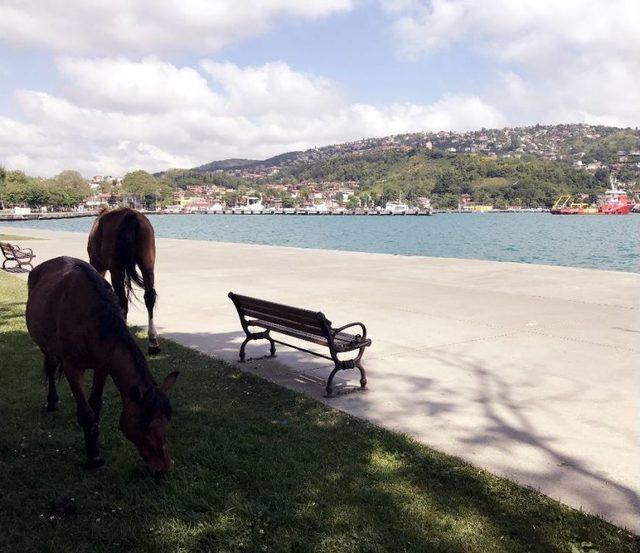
[[614, 202]]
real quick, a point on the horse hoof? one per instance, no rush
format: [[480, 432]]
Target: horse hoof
[[51, 407], [96, 463], [154, 350]]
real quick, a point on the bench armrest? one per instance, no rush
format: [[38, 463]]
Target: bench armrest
[[335, 331], [26, 250]]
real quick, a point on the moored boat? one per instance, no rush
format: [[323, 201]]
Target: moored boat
[[614, 202], [396, 208]]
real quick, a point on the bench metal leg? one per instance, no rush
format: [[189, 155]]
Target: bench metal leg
[[329, 387], [363, 375], [345, 365], [243, 346], [257, 336]]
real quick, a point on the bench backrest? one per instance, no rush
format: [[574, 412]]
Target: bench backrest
[[7, 249], [312, 322]]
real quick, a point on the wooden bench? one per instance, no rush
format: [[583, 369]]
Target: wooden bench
[[305, 325], [20, 256]]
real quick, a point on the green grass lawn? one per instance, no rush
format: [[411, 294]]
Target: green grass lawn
[[260, 468]]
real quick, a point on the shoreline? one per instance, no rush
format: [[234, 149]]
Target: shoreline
[[433, 258], [303, 212], [310, 248]]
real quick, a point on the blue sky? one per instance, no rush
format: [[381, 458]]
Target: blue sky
[[357, 49], [106, 88]]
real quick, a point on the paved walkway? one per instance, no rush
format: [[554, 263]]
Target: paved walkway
[[530, 371]]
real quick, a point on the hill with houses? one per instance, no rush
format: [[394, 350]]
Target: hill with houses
[[589, 146], [522, 166]]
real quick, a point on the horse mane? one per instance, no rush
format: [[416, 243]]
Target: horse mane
[[111, 324]]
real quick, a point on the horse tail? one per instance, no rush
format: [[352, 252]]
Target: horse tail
[[126, 251]]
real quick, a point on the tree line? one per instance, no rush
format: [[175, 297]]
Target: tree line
[[69, 189], [65, 190]]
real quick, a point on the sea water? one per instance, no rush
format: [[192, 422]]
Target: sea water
[[599, 242]]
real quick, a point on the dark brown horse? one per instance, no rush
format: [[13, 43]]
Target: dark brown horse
[[74, 317], [119, 241]]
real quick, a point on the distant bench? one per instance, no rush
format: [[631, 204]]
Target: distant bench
[[302, 324], [20, 256]]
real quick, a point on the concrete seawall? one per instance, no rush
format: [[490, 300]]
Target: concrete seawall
[[530, 371]]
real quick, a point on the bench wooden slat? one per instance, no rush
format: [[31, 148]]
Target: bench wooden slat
[[313, 328], [343, 340], [295, 333], [291, 316], [247, 302]]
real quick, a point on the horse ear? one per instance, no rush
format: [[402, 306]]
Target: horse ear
[[169, 381], [135, 394]]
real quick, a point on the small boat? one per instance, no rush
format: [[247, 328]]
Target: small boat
[[396, 208]]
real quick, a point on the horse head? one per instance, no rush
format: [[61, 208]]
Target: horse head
[[145, 420]]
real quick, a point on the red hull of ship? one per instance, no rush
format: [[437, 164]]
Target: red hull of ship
[[622, 209]]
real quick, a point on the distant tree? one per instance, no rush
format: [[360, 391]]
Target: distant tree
[[514, 142], [353, 202], [32, 192], [141, 189], [448, 182], [165, 193], [16, 177], [602, 175], [446, 201], [391, 192], [106, 187], [3, 176], [231, 198], [68, 189], [304, 194], [181, 178]]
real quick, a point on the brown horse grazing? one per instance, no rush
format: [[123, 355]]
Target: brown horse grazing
[[74, 317], [118, 241]]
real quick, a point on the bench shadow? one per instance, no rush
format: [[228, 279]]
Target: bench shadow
[[289, 367], [15, 270]]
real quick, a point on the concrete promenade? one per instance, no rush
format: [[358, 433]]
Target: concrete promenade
[[530, 371]]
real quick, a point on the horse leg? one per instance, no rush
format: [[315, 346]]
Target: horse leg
[[86, 417], [150, 302], [95, 399], [50, 367], [117, 281]]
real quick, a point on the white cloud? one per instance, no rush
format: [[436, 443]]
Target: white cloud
[[114, 115], [256, 90], [570, 60], [147, 26], [138, 87]]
